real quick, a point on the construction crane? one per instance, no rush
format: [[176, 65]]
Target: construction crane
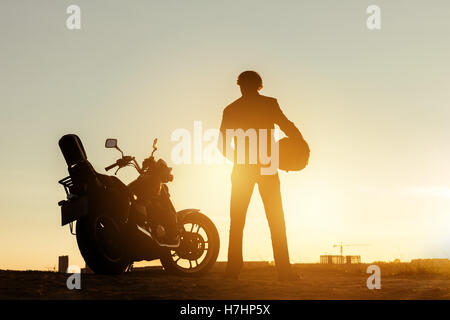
[[341, 246]]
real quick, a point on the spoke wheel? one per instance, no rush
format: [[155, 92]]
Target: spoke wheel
[[199, 247]]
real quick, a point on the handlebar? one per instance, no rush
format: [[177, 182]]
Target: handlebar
[[111, 166], [129, 160], [123, 162]]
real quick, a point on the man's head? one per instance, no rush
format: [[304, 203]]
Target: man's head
[[250, 82]]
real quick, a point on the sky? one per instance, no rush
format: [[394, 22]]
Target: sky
[[372, 104]]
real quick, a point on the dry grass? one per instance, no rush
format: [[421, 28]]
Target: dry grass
[[415, 269], [387, 268], [398, 281]]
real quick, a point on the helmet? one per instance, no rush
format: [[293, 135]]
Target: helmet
[[293, 153]]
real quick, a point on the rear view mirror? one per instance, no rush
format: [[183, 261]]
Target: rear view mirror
[[111, 143]]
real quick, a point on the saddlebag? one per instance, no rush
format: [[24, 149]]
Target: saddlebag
[[73, 209]]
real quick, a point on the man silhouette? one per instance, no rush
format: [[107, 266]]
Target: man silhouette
[[253, 112]]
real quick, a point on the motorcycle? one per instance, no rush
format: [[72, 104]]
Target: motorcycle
[[118, 224]]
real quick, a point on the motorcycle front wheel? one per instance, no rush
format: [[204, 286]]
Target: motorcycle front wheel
[[199, 247], [98, 239]]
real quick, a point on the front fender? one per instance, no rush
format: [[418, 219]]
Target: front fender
[[183, 213]]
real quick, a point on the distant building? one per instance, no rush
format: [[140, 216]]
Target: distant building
[[63, 263], [353, 259], [336, 259], [332, 259]]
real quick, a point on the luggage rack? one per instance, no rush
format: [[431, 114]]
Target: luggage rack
[[67, 184]]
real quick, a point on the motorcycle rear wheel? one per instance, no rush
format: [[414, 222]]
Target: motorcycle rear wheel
[[199, 239], [98, 239]]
